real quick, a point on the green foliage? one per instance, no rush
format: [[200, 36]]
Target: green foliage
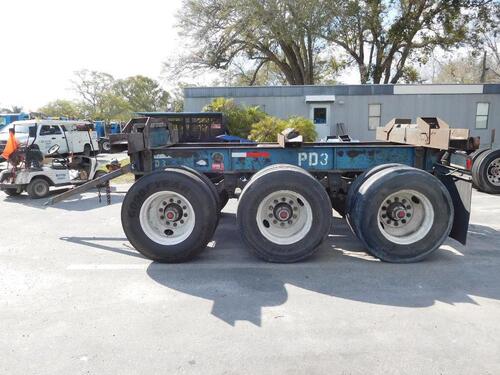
[[62, 108], [267, 129], [304, 126], [102, 97], [239, 119], [142, 93]]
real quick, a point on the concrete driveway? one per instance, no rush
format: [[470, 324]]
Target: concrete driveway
[[75, 298]]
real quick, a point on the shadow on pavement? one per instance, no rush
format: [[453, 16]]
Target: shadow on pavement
[[88, 201], [241, 286], [91, 242]]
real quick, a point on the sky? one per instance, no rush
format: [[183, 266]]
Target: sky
[[43, 42]]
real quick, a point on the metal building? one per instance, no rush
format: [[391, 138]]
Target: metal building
[[358, 110]]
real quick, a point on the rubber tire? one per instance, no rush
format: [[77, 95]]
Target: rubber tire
[[371, 195], [286, 177], [32, 186], [474, 155], [480, 170], [353, 189], [206, 180], [191, 187], [105, 150], [12, 192]]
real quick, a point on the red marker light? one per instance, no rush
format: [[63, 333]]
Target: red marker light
[[468, 164]]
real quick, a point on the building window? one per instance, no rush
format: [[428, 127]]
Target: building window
[[374, 114], [482, 115], [319, 115]]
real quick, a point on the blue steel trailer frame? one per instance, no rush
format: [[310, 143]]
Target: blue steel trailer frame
[[314, 157], [336, 165]]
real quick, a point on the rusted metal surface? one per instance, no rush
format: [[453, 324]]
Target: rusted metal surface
[[431, 132]]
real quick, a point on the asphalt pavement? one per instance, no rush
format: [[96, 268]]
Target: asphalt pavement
[[76, 298]]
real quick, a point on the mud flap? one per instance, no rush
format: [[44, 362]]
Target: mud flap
[[459, 186]]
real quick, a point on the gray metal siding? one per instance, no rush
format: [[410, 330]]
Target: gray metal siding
[[458, 110]]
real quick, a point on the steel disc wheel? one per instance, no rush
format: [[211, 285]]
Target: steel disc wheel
[[486, 171], [284, 217], [402, 215], [283, 214], [167, 218], [493, 172], [405, 217]]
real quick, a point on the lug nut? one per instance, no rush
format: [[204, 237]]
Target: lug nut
[[182, 221], [164, 203], [275, 221]]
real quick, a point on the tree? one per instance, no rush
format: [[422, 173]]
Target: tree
[[142, 94], [384, 36], [282, 34], [103, 97], [93, 88], [463, 69], [12, 109], [309, 41], [62, 108]]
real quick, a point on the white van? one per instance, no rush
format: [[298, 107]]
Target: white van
[[71, 136]]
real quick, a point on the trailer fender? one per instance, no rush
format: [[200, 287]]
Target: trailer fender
[[459, 185]]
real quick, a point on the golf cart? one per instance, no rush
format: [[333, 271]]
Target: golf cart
[[30, 172]]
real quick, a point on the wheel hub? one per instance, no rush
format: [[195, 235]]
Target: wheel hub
[[405, 216], [173, 212], [283, 211], [493, 172], [167, 217], [397, 211], [284, 217]]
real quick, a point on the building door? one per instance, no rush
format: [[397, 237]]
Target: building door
[[320, 116]]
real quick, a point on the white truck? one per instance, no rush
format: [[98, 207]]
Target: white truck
[[75, 137]]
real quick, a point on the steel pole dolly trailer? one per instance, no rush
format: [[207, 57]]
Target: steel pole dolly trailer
[[402, 195]]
